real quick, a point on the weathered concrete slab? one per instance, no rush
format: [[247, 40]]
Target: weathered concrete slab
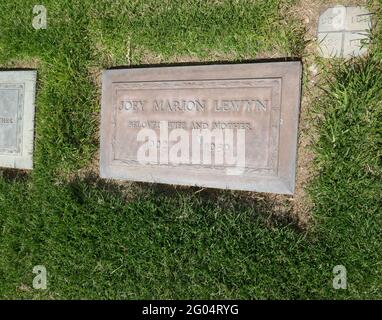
[[343, 31], [17, 95], [222, 126], [330, 44], [355, 44]]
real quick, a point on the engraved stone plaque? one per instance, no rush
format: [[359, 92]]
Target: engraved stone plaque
[[343, 31], [17, 94], [228, 126]]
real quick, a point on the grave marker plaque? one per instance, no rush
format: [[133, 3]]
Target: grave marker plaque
[[343, 32], [222, 126], [17, 94]]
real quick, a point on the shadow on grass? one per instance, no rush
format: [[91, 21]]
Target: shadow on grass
[[203, 63], [276, 210], [17, 69], [14, 175]]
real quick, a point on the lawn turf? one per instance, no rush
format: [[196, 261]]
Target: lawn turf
[[99, 241]]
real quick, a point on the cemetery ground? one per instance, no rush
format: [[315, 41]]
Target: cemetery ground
[[108, 240]]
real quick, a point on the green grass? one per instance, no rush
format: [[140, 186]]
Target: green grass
[[98, 239]]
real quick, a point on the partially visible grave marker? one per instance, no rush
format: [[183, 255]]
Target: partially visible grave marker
[[17, 94], [343, 31]]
